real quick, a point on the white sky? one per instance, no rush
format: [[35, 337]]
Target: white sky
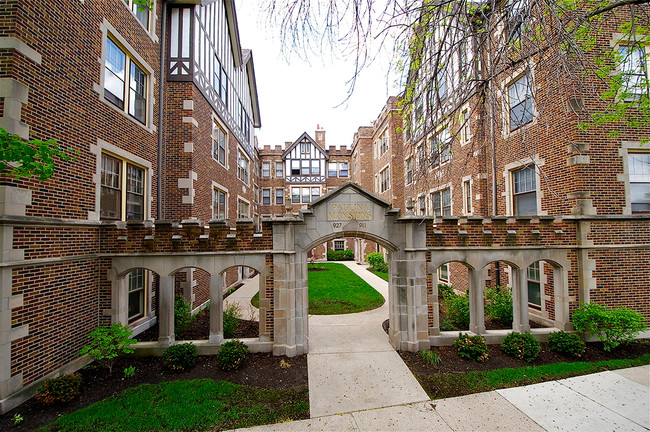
[[295, 95]]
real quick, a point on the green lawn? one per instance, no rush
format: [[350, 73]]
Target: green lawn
[[338, 290], [382, 275], [200, 404]]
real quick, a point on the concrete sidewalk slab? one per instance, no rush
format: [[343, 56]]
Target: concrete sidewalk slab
[[344, 422], [337, 339], [243, 295], [483, 412], [415, 417], [556, 407], [639, 374]]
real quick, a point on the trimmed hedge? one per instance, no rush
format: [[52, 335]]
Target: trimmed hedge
[[344, 255]]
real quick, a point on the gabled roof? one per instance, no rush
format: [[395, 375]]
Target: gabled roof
[[252, 85], [303, 137], [361, 191]]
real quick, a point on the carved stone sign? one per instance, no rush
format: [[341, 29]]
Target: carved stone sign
[[349, 211]]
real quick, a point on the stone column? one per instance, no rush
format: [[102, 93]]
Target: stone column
[[412, 297], [561, 294], [433, 300], [120, 300], [476, 303], [520, 300], [166, 311], [216, 309]]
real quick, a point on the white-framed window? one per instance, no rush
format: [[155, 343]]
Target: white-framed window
[[279, 196], [443, 273], [524, 191], [243, 166], [141, 13], [219, 143], [219, 203], [441, 148], [266, 169], [409, 170], [355, 163], [384, 179], [304, 194], [639, 177], [137, 294], [383, 142], [305, 147], [441, 202], [534, 284], [126, 81], [266, 196], [338, 169], [520, 102], [279, 169], [123, 188], [465, 132], [243, 209], [295, 167], [467, 196], [634, 67], [339, 245]]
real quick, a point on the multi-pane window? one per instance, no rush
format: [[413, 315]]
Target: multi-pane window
[[467, 195], [343, 169], [639, 168], [520, 100], [304, 194], [524, 196], [634, 69], [441, 148], [315, 193], [266, 196], [418, 113], [339, 245], [384, 180], [443, 273], [534, 284], [305, 166], [441, 202], [295, 167], [440, 85], [295, 195], [125, 82], [279, 169], [243, 166], [338, 169], [266, 169], [383, 142], [219, 203], [409, 170], [137, 285], [243, 210], [279, 196], [464, 126], [332, 169], [422, 157], [305, 147], [122, 189], [422, 205], [141, 12], [515, 18], [315, 167], [219, 144], [220, 80]]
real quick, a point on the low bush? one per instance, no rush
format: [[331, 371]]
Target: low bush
[[612, 326], [430, 357], [340, 255], [521, 345], [231, 316], [60, 390], [106, 343], [568, 344], [471, 347], [182, 315], [445, 290], [382, 267], [232, 355], [374, 258], [458, 310], [180, 357], [498, 304], [447, 325]]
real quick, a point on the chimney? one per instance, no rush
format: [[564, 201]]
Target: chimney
[[320, 136]]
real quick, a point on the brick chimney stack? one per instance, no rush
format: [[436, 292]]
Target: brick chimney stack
[[320, 136]]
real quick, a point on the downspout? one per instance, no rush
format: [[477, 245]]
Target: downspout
[[161, 85]]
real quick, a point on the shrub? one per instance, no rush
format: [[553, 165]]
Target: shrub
[[182, 315], [458, 310], [375, 259], [382, 267], [568, 344], [521, 345], [106, 343], [471, 347], [344, 255], [232, 355], [445, 290], [180, 357], [430, 357], [231, 316], [60, 390], [499, 304], [348, 255], [612, 326], [447, 325], [129, 371]]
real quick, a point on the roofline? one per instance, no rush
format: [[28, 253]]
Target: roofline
[[252, 85], [313, 141], [350, 184], [233, 30]]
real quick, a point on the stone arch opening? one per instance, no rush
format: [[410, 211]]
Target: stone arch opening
[[238, 286]]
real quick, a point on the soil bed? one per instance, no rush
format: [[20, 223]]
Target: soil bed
[[200, 330], [261, 370]]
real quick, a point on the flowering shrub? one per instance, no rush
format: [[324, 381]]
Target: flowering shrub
[[60, 390], [521, 345], [471, 347]]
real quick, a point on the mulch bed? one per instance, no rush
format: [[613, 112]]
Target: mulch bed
[[260, 370], [200, 330]]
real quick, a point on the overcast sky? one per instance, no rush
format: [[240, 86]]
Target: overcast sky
[[295, 95]]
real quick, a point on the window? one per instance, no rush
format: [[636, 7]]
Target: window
[[305, 167], [141, 13], [279, 196], [422, 158], [534, 292], [383, 142], [338, 169], [304, 194], [137, 285], [315, 167], [122, 196], [295, 167], [266, 169], [219, 204], [119, 67], [422, 205], [315, 193], [521, 102], [441, 148], [218, 144], [295, 195], [524, 191], [409, 170], [443, 273], [441, 202], [339, 245], [418, 113], [467, 196], [242, 167], [384, 180], [440, 85], [633, 67], [305, 147], [243, 209], [355, 164], [515, 18], [266, 196], [279, 169], [464, 127], [343, 169], [639, 167], [332, 169]]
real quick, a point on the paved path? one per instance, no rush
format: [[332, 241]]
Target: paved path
[[243, 297], [352, 366]]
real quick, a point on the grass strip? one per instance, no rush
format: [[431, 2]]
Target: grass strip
[[457, 384], [382, 275], [200, 404]]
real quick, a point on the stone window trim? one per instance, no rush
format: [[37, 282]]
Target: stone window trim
[[266, 173], [464, 131], [241, 199], [339, 245], [216, 122], [107, 29], [440, 189], [223, 189], [279, 173], [509, 187], [105, 147], [279, 197], [619, 40], [383, 141], [628, 147], [153, 18], [528, 69], [409, 172], [270, 198], [464, 180]]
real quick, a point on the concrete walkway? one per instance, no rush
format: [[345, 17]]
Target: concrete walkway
[[352, 366], [243, 296]]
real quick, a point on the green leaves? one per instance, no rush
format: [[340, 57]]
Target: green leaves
[[611, 326], [106, 343]]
